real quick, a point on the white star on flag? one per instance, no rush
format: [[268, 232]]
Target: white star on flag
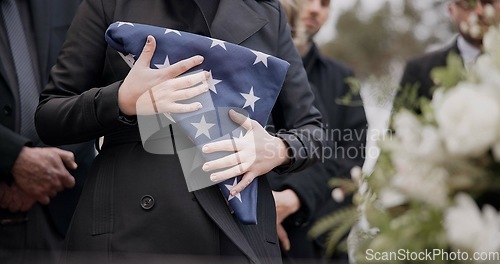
[[202, 127], [124, 23], [165, 64], [172, 31], [169, 116], [212, 82], [240, 135], [250, 99], [261, 57], [216, 42], [229, 187]]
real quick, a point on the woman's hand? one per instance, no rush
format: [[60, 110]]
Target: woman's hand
[[255, 154], [149, 91]]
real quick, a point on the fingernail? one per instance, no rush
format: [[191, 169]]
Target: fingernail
[[233, 192], [206, 167], [204, 149], [213, 177], [199, 106], [207, 75], [232, 111], [199, 59], [149, 39], [205, 87]]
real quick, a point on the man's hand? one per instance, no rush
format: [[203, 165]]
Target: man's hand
[[41, 172], [287, 202], [14, 199]]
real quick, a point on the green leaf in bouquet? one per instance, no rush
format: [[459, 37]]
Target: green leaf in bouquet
[[419, 228], [450, 75], [342, 246], [355, 89], [407, 98], [336, 235], [382, 172], [427, 112], [377, 217], [348, 186], [333, 221], [337, 225]]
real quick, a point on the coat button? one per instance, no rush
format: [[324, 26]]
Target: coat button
[[147, 202], [7, 110]]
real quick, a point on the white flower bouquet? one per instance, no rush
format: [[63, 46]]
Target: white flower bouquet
[[437, 181], [434, 192]]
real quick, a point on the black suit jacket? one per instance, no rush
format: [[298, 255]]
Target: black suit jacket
[[80, 103], [50, 20], [346, 137], [418, 70]]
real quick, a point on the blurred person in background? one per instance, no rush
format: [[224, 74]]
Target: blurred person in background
[[468, 45], [302, 198], [39, 186]]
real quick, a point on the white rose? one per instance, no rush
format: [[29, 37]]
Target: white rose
[[467, 228], [421, 141], [391, 198], [468, 120], [488, 73], [407, 128], [420, 181], [437, 97], [431, 144]]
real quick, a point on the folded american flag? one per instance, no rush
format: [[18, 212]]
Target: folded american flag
[[241, 79]]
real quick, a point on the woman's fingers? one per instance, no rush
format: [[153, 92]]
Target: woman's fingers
[[185, 87], [223, 145], [183, 108], [243, 183], [166, 96], [181, 67], [232, 172], [241, 120], [147, 53], [189, 93], [227, 161], [187, 81]]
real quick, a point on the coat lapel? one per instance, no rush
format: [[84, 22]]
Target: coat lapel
[[212, 202], [235, 21]]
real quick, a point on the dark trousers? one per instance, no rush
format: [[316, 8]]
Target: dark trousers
[[32, 241]]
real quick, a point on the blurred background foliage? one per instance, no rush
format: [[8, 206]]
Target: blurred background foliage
[[379, 42]]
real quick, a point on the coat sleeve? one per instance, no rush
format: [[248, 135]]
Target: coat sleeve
[[10, 146], [69, 112]]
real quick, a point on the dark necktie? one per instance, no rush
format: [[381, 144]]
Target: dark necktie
[[27, 84]]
